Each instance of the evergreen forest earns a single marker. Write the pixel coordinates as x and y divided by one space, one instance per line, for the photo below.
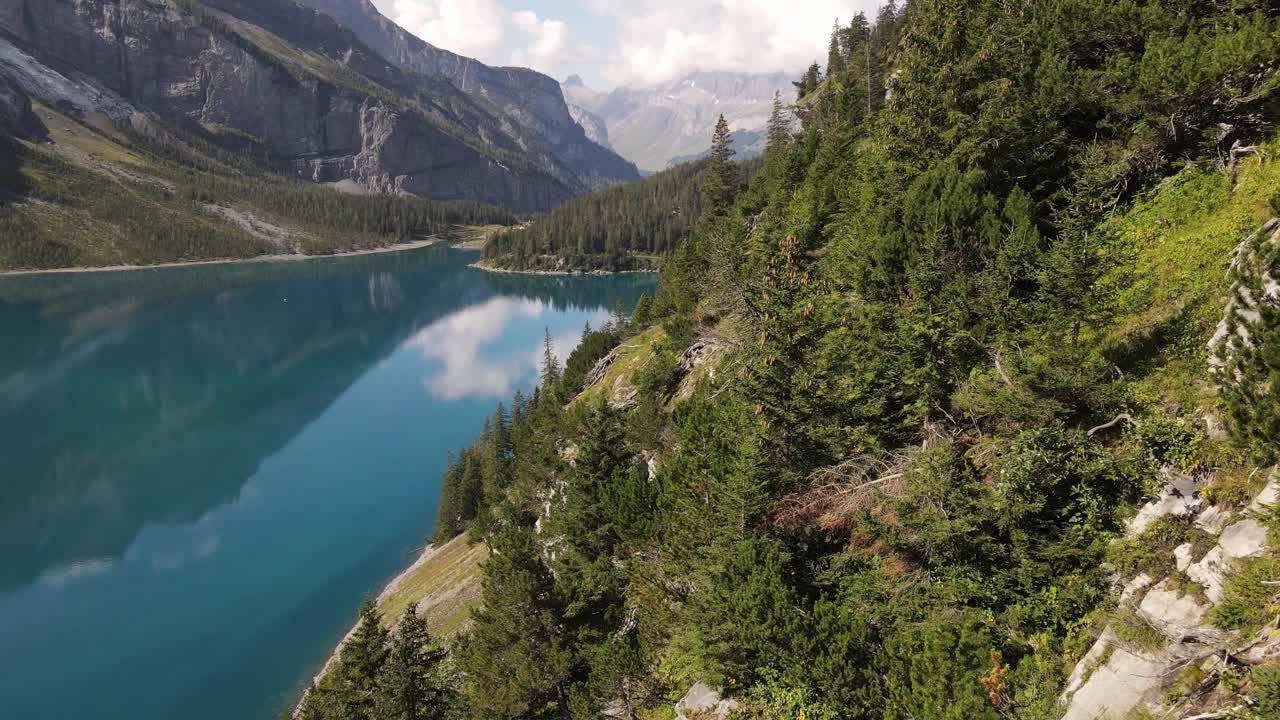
627 227
98 194
871 449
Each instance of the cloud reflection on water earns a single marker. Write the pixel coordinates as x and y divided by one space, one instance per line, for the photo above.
456 342
468 366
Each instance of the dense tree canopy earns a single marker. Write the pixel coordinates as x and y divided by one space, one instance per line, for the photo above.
895 492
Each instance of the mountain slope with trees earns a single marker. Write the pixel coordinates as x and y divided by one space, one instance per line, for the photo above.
902 394
302 94
76 193
625 228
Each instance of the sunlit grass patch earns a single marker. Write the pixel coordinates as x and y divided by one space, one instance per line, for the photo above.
446 586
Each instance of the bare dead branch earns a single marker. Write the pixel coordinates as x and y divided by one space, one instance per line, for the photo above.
1003 375
1118 419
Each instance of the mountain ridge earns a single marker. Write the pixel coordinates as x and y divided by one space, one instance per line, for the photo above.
661 125
530 99
283 81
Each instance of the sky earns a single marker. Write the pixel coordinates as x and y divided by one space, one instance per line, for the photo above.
630 42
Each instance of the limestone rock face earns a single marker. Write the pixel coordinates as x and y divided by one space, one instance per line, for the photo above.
1180 496
275 76
1120 679
1176 614
1115 677
529 101
591 123
1244 539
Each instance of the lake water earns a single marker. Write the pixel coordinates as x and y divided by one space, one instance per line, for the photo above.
202 470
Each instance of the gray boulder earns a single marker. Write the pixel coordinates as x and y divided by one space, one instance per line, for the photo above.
702 698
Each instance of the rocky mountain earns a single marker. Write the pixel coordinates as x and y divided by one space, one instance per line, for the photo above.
658 126
526 98
595 126
296 86
16 117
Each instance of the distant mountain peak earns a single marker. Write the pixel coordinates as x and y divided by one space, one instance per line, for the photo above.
654 126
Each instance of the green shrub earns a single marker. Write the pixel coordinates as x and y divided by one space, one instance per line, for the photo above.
1152 550
1249 603
1266 688
1173 441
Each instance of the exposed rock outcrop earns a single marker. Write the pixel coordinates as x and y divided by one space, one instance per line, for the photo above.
698 362
1118 677
591 123
703 700
16 118
53 87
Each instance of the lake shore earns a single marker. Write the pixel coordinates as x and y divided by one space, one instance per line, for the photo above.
482 265
396 582
444 580
292 257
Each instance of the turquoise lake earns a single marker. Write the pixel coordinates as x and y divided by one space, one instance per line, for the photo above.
204 469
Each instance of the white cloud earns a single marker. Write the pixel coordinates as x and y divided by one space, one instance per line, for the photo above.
661 40
483 29
654 41
77 570
547 47
475 28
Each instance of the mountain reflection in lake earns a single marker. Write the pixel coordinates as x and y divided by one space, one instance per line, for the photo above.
204 468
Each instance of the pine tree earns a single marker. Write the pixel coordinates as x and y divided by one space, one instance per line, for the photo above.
620 317
836 57
516 659
550 370
809 82
641 316
1249 379
414 683
449 520
587 515
721 180
352 691
779 128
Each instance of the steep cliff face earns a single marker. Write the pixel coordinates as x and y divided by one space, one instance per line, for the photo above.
593 124
528 99
16 118
297 85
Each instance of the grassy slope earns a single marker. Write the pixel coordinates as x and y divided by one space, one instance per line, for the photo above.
89 187
619 379
446 586
1175 247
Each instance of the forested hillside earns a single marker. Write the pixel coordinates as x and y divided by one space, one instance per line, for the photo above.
627 227
622 228
99 194
874 450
